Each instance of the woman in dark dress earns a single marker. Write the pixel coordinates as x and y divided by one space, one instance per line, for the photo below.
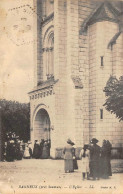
104 161
36 150
94 159
45 151
75 165
109 147
105 165
10 153
41 147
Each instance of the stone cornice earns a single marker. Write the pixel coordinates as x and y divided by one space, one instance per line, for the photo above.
45 89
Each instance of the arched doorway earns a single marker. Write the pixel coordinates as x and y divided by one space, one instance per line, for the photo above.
42 130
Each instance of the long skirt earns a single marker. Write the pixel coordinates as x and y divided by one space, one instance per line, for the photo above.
68 165
105 168
75 165
94 169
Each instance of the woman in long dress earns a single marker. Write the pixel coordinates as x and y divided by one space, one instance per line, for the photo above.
68 157
84 156
75 165
36 150
26 152
105 166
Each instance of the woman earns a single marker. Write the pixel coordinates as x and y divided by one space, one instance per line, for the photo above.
36 150
84 156
105 169
68 157
75 165
45 151
94 159
109 147
26 152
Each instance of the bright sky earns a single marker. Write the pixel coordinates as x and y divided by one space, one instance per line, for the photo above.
16 62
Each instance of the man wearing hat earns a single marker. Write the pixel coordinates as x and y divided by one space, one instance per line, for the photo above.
94 159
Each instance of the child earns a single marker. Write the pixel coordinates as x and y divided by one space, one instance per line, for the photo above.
84 156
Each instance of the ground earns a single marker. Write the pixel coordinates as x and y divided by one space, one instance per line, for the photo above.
16 177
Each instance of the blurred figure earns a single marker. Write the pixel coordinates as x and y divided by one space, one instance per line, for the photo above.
36 150
41 147
109 147
105 168
94 159
75 165
10 151
26 152
68 157
45 151
30 148
84 156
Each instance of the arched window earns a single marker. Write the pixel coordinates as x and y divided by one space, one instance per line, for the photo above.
48 56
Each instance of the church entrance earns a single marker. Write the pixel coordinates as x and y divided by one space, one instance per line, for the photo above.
42 132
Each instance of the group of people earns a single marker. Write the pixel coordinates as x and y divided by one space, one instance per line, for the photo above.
41 149
16 149
95 160
13 147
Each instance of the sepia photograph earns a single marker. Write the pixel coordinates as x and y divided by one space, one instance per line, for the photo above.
61 96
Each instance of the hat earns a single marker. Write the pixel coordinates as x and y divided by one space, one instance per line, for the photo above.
70 142
11 141
29 142
94 140
37 142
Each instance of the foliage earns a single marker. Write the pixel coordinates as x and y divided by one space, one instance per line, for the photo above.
114 94
16 118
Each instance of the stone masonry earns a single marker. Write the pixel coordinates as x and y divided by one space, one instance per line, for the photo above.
79 46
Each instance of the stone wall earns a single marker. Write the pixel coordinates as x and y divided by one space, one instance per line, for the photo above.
77 98
85 9
108 127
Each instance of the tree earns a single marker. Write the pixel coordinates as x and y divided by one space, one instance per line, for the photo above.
114 94
16 118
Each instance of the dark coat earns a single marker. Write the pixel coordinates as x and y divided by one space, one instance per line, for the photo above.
94 161
36 151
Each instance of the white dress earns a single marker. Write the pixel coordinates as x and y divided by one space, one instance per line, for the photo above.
26 152
84 161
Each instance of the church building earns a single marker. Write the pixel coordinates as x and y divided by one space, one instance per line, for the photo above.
79 46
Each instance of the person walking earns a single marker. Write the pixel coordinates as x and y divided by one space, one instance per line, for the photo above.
68 157
84 156
94 159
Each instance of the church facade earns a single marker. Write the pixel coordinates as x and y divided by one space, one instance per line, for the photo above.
79 46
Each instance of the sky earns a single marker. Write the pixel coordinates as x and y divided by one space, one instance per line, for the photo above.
16 50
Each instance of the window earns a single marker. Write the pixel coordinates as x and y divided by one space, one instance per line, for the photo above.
101 113
48 56
102 61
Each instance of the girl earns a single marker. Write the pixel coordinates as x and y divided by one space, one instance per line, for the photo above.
84 156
